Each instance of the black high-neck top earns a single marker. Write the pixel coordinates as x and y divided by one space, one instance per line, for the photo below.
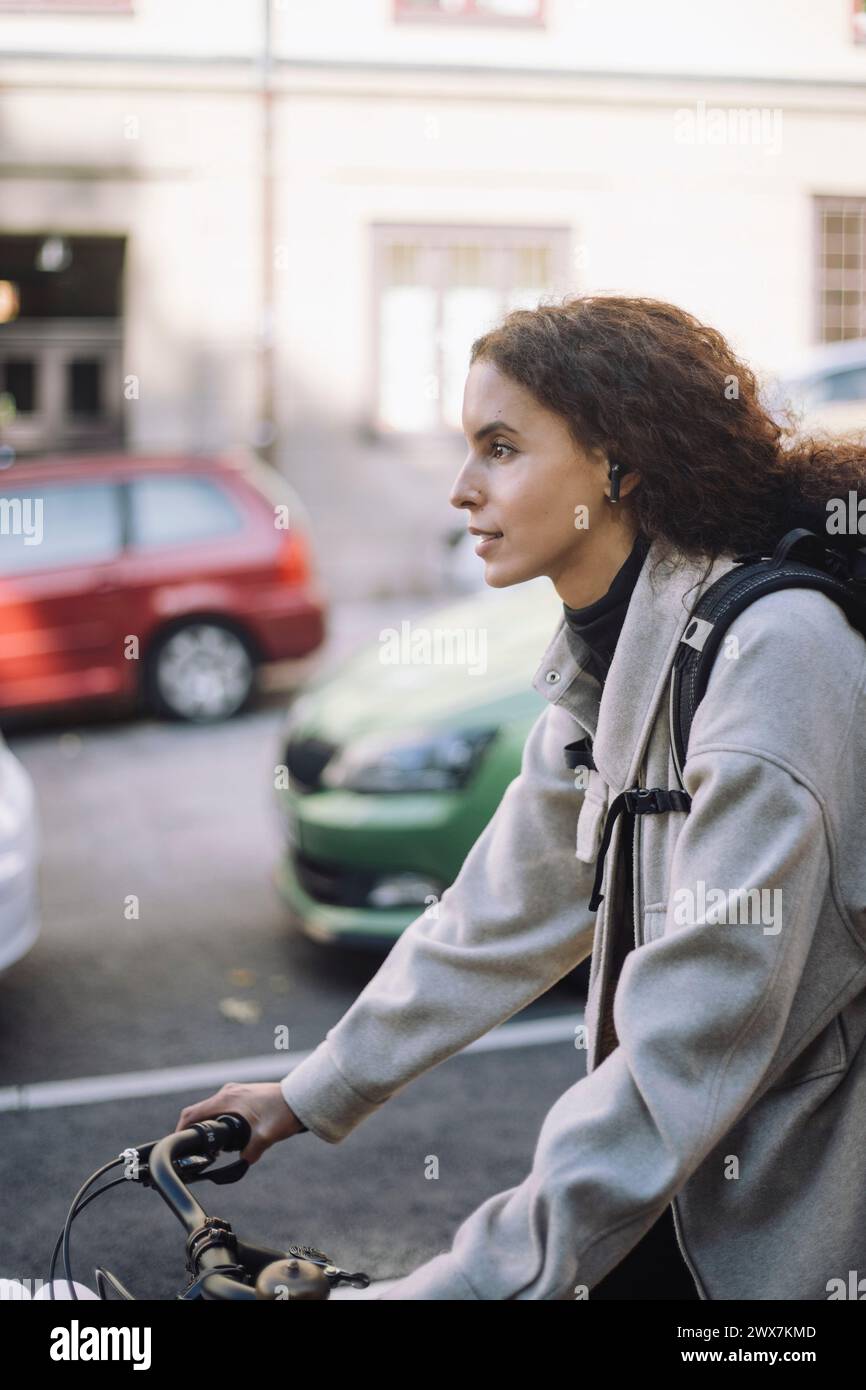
600 623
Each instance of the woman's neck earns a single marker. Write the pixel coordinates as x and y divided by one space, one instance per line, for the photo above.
597 574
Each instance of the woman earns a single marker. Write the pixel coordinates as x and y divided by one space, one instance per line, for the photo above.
619 447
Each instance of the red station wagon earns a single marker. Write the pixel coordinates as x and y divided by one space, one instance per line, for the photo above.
167 578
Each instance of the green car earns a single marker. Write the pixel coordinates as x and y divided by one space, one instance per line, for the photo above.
393 763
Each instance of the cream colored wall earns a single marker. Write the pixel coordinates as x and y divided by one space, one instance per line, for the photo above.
196 27
784 38
724 230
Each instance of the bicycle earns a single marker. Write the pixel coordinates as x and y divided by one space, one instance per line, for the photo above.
219 1264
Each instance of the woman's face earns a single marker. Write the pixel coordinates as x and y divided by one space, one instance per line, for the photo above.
526 478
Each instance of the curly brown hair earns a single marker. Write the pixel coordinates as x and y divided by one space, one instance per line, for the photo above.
665 394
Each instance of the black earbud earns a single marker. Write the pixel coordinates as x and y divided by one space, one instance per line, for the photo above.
614 472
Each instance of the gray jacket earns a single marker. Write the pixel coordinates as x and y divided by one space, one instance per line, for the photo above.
726 1071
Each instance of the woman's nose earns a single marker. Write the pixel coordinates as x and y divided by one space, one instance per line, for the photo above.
464 493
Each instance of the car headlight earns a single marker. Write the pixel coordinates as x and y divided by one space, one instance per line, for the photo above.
411 763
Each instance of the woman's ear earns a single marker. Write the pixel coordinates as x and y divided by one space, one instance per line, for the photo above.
628 482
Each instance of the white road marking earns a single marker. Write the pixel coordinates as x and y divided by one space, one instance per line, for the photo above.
87 1090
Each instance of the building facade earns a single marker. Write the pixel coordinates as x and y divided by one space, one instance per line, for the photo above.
281 224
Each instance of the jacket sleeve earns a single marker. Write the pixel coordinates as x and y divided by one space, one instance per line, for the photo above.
699 1014
514 921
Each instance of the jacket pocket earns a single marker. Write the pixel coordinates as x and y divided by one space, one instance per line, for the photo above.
589 821
824 1055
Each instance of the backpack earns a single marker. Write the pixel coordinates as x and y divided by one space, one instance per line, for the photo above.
808 556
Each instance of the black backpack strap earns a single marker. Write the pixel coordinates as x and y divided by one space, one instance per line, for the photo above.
579 753
719 605
635 801
842 579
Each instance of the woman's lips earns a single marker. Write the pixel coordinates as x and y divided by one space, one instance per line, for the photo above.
485 543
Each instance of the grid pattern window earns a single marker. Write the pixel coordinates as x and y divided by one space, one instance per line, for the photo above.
437 289
517 12
841 269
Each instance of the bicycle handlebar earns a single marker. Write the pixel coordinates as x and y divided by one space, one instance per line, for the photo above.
228 1132
220 1265
211 1245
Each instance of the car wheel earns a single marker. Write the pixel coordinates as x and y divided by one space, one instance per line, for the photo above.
201 672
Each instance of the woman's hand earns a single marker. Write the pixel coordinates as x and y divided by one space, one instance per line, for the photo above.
261 1103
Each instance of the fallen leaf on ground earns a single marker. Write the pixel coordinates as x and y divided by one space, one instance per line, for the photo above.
241 1010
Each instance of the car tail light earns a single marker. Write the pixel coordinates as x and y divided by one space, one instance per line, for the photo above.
294 562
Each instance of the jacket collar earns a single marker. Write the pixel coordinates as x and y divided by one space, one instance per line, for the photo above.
620 717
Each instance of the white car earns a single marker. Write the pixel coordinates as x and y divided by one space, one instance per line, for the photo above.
826 387
19 854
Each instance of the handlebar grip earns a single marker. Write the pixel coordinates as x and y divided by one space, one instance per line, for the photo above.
237 1133
227 1133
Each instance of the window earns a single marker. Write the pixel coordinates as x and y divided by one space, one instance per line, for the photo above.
841 268
172 510
46 527
18 376
849 385
437 289
472 11
61 344
84 388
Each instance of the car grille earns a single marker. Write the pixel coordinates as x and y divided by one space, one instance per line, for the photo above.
306 759
333 883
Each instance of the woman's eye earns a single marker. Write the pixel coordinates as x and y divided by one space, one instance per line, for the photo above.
499 445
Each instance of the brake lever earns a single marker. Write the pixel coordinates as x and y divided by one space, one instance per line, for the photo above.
230 1172
192 1168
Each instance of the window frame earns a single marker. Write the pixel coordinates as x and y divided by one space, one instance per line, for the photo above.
826 205
404 12
431 236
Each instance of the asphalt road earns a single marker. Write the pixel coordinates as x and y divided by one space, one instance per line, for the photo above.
183 819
